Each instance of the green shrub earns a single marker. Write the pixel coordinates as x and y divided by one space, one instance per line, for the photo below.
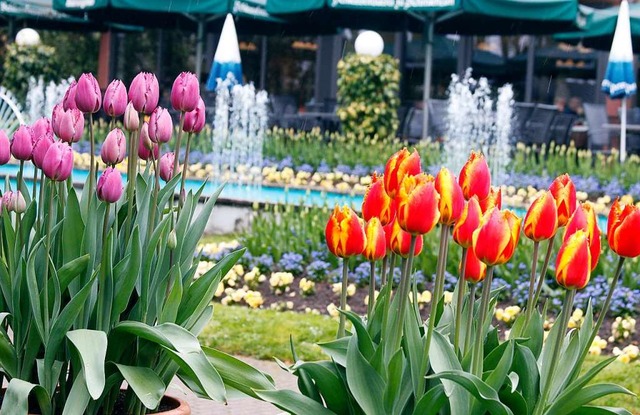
368 95
23 62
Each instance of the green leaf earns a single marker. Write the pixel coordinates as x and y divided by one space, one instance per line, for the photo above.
584 396
92 348
69 271
293 402
16 398
34 293
337 350
497 376
365 345
72 230
443 359
365 383
329 384
484 393
431 402
145 383
524 364
584 379
599 410
170 305
238 374
78 398
125 283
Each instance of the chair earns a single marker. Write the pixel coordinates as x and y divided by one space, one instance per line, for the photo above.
281 106
438 114
522 113
403 111
536 129
633 139
560 128
412 130
599 137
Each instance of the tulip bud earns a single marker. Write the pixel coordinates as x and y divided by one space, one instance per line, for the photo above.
56 117
541 221
469 221
58 161
400 165
344 233
400 241
109 187
475 270
88 95
144 92
475 178
160 126
451 199
418 204
131 118
185 92
377 203
40 148
22 144
573 264
564 193
71 126
5 148
115 98
14 202
69 100
166 166
41 127
194 120
172 240
114 147
493 199
623 229
147 148
495 241
375 247
586 218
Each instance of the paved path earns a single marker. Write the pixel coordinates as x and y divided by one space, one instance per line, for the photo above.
238 406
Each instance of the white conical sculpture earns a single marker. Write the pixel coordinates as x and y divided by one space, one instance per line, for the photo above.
226 61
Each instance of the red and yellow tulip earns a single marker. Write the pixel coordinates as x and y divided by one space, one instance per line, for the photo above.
344 232
451 200
623 229
418 204
376 246
377 203
475 178
475 270
564 193
400 165
586 218
468 222
400 241
493 199
541 221
495 241
573 265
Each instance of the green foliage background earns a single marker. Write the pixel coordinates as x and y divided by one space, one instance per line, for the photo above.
23 62
368 95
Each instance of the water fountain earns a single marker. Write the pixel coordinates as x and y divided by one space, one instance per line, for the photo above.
475 121
41 98
239 127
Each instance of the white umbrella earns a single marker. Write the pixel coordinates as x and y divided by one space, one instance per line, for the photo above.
619 81
227 58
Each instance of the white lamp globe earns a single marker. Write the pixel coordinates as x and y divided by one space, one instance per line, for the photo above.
369 43
27 37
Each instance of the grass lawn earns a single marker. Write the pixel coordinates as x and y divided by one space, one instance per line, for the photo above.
264 334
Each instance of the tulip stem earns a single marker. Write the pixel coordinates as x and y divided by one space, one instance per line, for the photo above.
472 302
543 271
20 171
532 283
372 290
478 357
45 290
403 292
105 224
35 182
462 285
92 168
557 347
383 271
156 189
343 296
184 171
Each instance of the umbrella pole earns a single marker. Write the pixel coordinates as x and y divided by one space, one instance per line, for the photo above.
623 130
426 90
531 58
263 63
199 47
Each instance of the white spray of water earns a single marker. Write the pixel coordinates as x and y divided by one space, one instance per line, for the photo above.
42 98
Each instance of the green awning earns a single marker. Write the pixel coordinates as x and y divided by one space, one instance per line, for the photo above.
299 6
509 17
165 6
598 25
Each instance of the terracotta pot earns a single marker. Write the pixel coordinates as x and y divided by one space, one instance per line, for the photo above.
182 409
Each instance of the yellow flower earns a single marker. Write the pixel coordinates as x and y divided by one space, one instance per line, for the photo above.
253 299
448 297
624 358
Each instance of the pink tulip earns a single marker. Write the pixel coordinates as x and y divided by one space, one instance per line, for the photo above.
88 95
160 126
5 148
131 118
71 126
40 127
109 186
56 117
144 92
115 98
22 144
194 120
40 147
58 162
14 202
166 166
69 100
185 92
114 147
146 146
